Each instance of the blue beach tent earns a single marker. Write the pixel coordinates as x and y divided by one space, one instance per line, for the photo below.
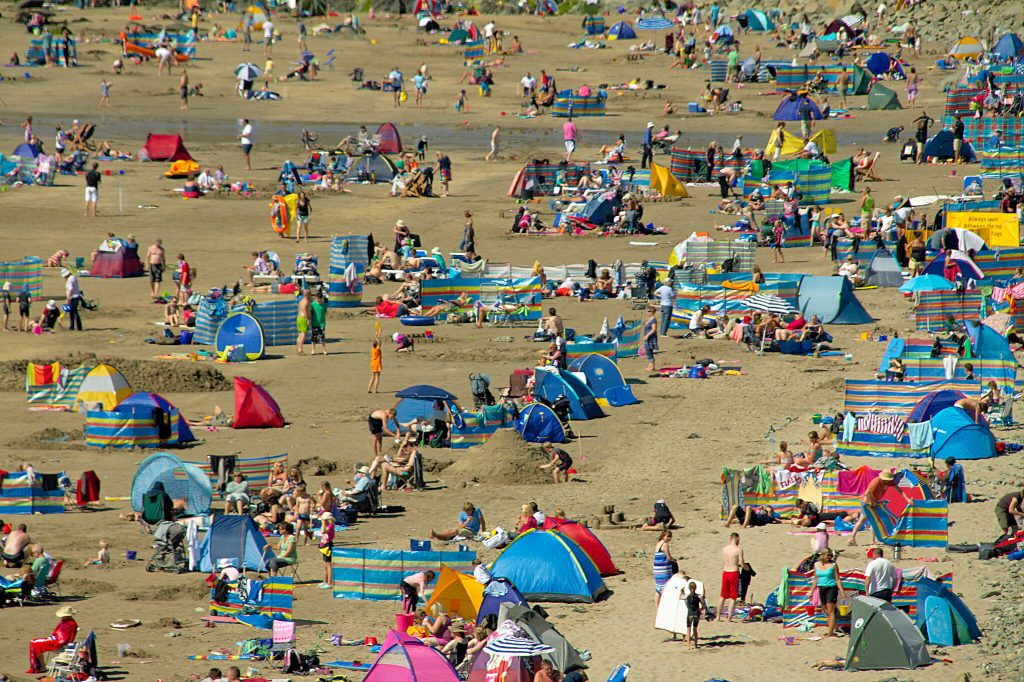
987 343
499 591
933 403
832 299
1009 46
549 383
538 423
180 481
548 566
964 625
759 21
621 31
235 537
957 435
789 108
604 379
241 329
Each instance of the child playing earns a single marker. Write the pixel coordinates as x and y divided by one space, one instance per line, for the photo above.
461 104
694 606
24 309
104 93
376 363
326 542
102 557
421 148
405 343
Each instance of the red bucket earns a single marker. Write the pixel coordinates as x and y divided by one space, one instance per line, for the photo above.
403 621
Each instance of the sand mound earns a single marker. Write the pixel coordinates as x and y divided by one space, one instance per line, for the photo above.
51 439
144 375
316 466
505 459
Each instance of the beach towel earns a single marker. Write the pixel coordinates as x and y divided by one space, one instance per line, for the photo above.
855 482
921 436
351 275
949 365
849 427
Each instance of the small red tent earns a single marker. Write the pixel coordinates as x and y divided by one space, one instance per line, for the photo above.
254 407
390 140
165 148
120 263
587 541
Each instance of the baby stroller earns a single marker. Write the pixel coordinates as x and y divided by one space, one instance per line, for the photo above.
169 543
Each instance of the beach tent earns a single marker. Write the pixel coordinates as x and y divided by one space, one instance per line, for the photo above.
503 667
884 271
497 592
124 262
965 267
845 25
564 658
538 423
140 420
548 566
547 7
655 23
600 209
954 621
967 48
254 407
26 151
878 64
165 148
940 147
588 542
403 658
883 638
551 382
369 166
932 404
241 330
861 81
882 98
723 35
181 481
255 16
988 344
604 379
621 31
390 141
832 299
157 401
789 108
103 386
957 435
666 184
236 537
1009 46
458 593
759 21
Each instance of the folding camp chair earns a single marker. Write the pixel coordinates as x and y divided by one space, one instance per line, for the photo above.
53 579
867 172
284 636
67 664
1002 414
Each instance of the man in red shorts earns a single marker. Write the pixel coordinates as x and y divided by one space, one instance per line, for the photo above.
732 560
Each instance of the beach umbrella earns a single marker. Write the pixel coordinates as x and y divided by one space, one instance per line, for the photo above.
770 303
247 71
425 392
927 283
517 646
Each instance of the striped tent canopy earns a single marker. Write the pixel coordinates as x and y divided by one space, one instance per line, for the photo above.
27 272
277 319
864 396
978 130
130 427
20 494
769 303
517 646
374 574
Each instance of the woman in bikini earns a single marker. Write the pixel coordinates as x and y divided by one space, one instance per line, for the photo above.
276 482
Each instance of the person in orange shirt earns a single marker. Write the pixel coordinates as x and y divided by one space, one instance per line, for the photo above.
376 363
873 496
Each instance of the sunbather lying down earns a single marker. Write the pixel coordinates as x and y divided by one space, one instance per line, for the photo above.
830 664
218 418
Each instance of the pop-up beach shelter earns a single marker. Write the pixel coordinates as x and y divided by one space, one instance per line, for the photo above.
956 434
165 148
564 658
884 270
548 566
942 616
882 98
180 481
103 386
235 537
550 383
243 330
832 299
496 593
1009 46
621 31
538 423
933 403
390 142
459 594
759 21
789 108
604 379
403 658
254 407
369 166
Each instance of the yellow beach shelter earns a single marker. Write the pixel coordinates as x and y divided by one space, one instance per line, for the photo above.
103 386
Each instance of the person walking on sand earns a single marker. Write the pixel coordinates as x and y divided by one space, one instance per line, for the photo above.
570 133
444 172
493 154
303 207
650 337
302 321
732 561
104 93
245 139
156 261
92 190
376 363
268 37
318 323
183 89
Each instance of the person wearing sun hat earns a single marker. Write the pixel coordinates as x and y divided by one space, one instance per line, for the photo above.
73 299
50 316
228 570
325 546
647 145
873 496
402 233
62 635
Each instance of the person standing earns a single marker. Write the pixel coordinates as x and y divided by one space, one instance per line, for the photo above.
268 37
732 74
318 323
867 210
806 117
662 564
732 561
184 279
879 576
1008 511
958 139
493 154
183 89
444 172
647 144
104 93
245 139
913 87
843 85
419 83
376 363
73 298
411 587
468 242
570 133
396 79
92 190
156 261
829 585
302 321
778 139
247 34
921 135
650 338
303 207
666 298
873 496
302 37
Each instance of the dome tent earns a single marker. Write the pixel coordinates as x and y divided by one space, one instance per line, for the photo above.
882 638
604 379
882 98
1009 46
621 31
538 423
241 329
103 386
588 542
551 382
459 593
789 108
957 435
236 537
548 566
371 166
389 141
933 403
403 658
497 592
254 407
879 62
181 481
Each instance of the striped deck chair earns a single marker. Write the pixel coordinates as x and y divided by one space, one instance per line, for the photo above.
503 305
272 598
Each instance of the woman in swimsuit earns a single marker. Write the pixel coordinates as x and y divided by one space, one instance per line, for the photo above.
276 483
325 498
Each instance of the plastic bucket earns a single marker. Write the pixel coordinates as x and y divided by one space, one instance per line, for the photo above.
130 555
815 418
403 621
186 337
844 610
864 336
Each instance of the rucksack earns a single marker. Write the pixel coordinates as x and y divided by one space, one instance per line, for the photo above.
294 662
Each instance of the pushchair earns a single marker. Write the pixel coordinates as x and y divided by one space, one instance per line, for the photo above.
169 543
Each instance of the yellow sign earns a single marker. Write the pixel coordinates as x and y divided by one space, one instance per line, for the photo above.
997 229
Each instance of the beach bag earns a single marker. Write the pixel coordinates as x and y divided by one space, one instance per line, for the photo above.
220 591
402 97
497 539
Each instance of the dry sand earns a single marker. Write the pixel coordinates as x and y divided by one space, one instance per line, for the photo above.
636 455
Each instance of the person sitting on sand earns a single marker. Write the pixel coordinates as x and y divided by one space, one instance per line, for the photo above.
437 625
784 457
751 516
808 516
58 259
471 523
662 518
274 514
102 556
218 418
814 452
191 189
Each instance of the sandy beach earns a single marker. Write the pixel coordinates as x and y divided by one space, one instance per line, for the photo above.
672 445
